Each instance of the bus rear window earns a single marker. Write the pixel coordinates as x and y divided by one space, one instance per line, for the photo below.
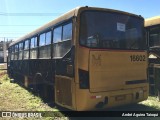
99 29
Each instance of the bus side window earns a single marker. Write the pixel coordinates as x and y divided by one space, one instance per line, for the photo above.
62 37
12 52
66 38
57 37
26 49
33 48
45 45
57 34
42 40
9 54
16 52
32 43
48 38
67 32
20 51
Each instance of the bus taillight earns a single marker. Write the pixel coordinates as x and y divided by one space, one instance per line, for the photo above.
83 79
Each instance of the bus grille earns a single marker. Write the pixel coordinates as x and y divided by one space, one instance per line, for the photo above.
63 91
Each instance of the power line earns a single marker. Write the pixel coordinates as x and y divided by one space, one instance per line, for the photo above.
12 33
15 31
20 25
29 14
9 37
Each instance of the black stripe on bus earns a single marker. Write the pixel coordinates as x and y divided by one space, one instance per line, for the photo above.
136 82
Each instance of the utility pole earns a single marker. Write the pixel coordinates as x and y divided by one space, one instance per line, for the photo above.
4 54
4 50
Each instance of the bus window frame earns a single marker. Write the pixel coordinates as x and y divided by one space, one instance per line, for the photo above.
35 47
21 50
16 53
28 44
79 23
68 21
45 45
26 49
12 52
59 26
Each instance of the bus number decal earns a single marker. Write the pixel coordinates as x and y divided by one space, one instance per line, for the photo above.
135 58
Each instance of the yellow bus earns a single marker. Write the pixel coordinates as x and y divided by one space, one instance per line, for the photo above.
152 26
89 58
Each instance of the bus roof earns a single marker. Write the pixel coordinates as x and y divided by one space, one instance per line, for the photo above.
152 21
66 16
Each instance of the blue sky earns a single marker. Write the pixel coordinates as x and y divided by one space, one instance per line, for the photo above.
13 26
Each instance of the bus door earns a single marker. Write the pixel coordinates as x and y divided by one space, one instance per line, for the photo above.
64 79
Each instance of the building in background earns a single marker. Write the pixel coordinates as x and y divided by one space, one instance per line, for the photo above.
4 50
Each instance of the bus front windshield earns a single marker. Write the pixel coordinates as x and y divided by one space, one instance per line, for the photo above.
111 30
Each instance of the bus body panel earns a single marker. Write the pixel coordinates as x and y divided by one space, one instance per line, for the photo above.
82 58
115 70
65 91
85 100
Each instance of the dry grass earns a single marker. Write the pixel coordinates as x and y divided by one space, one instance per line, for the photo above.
15 98
152 102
